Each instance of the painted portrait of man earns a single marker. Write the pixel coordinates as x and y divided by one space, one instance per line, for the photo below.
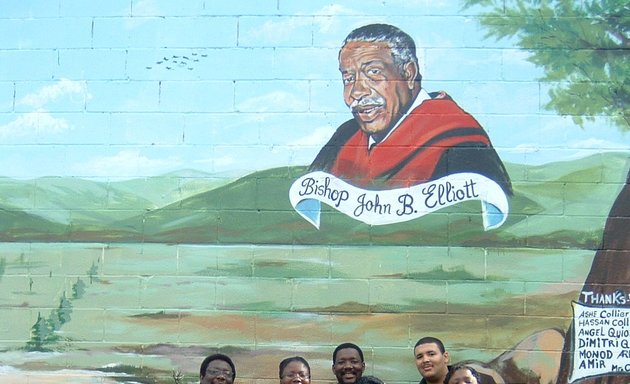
400 134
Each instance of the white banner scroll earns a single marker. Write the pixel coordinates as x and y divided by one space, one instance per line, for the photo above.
400 204
601 341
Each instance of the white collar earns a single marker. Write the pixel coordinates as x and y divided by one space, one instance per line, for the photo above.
422 96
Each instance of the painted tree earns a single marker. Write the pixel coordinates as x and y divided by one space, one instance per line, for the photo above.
64 310
581 45
78 289
584 49
44 333
41 334
92 272
54 321
3 266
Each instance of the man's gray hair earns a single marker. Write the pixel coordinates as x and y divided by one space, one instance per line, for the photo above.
401 44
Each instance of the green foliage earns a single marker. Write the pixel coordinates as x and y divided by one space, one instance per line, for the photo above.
64 310
78 289
41 335
44 331
54 321
583 46
92 272
3 266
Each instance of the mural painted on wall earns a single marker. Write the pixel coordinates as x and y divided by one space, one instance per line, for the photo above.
164 169
401 136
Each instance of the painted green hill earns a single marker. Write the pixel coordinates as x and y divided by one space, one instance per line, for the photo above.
85 203
17 225
561 204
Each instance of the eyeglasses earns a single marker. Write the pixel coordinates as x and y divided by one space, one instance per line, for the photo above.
301 375
216 372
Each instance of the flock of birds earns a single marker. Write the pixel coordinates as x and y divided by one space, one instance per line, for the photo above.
176 61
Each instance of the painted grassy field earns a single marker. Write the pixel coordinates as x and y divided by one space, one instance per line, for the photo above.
136 287
263 303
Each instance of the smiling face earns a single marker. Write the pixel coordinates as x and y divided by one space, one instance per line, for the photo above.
295 373
431 362
348 366
374 87
218 372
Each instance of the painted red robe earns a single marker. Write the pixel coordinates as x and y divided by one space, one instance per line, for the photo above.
436 139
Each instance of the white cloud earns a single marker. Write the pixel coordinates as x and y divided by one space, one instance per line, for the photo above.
205 162
223 161
272 101
216 161
142 8
590 146
48 93
319 136
285 27
40 121
328 24
37 122
524 148
334 10
127 163
598 144
281 28
539 154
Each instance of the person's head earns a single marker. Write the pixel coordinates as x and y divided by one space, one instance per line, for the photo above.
380 73
217 369
348 363
294 370
431 359
463 374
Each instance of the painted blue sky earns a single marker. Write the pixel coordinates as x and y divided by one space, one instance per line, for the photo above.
122 89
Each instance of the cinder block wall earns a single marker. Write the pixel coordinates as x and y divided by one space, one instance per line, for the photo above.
167 305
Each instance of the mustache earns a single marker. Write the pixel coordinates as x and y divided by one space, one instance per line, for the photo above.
376 100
